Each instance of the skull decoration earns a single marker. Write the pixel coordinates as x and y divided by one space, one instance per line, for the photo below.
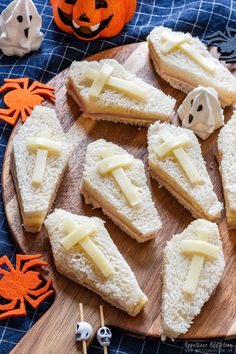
104 336
83 331
20 25
201 111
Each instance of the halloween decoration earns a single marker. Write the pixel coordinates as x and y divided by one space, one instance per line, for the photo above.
83 330
91 19
104 333
20 25
226 44
23 98
18 284
201 112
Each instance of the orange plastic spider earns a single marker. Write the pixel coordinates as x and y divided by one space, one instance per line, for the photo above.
19 284
23 98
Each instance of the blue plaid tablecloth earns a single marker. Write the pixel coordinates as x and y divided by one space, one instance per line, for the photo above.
57 52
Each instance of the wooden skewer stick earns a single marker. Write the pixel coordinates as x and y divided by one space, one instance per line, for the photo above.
81 314
102 325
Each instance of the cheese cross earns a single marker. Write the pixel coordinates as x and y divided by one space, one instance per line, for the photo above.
200 249
115 165
43 146
174 145
172 41
80 234
103 78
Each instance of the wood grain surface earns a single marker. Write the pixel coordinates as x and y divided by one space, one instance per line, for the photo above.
54 332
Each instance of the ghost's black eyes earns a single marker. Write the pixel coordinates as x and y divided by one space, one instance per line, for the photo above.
30 18
19 19
200 108
99 4
102 331
191 102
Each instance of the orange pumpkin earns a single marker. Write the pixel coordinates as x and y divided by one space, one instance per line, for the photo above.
91 19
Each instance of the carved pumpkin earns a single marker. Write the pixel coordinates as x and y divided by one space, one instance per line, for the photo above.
91 19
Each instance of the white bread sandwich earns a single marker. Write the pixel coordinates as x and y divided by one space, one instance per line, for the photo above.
105 90
185 63
193 267
116 182
226 155
39 158
85 253
176 162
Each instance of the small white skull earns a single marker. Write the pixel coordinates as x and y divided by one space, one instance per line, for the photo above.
20 25
83 331
201 111
104 336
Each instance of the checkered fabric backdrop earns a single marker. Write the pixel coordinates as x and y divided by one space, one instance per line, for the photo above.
58 50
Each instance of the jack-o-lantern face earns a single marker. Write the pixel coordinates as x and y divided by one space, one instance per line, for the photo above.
90 19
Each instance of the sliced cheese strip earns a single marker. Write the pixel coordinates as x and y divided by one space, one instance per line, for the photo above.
199 247
39 167
194 274
123 181
126 187
187 166
191 283
89 247
172 41
175 41
114 162
35 143
196 56
101 79
97 256
172 143
78 233
124 86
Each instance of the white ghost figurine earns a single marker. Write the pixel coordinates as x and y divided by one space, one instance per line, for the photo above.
20 25
201 111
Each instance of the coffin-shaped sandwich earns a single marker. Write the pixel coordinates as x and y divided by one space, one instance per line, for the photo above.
226 155
105 90
193 266
84 252
176 162
38 162
116 182
185 63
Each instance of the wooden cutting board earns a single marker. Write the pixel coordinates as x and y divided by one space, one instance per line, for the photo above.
54 332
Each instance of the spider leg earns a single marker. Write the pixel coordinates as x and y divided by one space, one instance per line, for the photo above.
6 260
228 58
41 290
9 306
21 311
217 34
9 86
37 84
10 120
25 257
32 263
24 115
230 32
44 93
24 81
35 303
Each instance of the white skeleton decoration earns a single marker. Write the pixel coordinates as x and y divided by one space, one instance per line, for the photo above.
104 336
20 25
201 112
83 331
